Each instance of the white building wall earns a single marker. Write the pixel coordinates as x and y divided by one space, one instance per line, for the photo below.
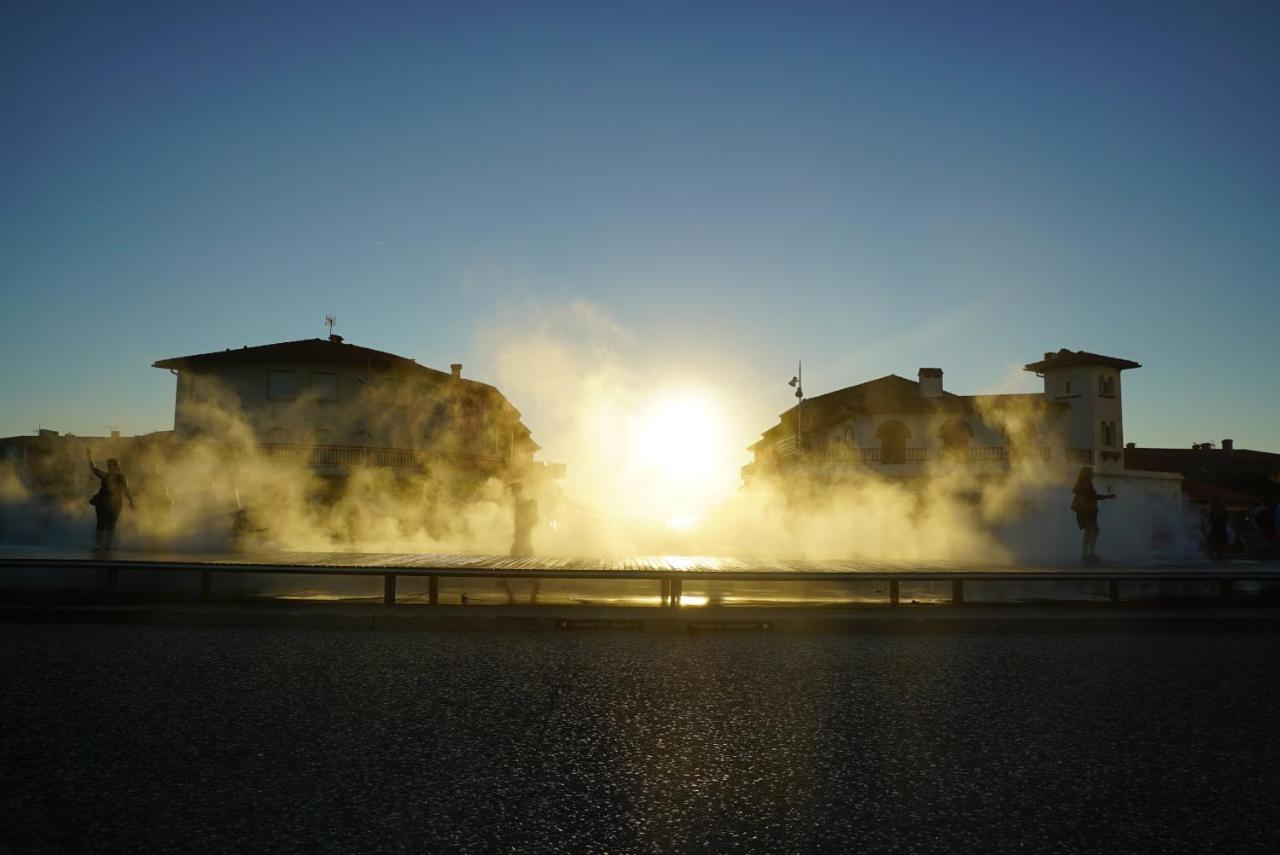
374 407
1080 387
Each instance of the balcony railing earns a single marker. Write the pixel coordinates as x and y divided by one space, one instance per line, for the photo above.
1080 455
405 458
785 448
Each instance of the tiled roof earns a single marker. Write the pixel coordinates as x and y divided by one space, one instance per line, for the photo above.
304 350
318 350
1071 358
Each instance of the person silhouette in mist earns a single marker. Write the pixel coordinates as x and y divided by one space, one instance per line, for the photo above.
109 500
526 517
526 512
1085 504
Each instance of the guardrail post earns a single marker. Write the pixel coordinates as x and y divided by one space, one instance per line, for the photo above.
1225 588
389 589
433 590
206 584
677 586
894 597
1113 590
957 592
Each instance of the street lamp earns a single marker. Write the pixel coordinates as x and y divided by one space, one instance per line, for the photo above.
797 382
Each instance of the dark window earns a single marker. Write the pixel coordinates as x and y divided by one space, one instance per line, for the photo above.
324 387
1109 434
893 441
282 385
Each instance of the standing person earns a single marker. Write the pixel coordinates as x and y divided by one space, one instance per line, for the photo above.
526 518
109 500
1085 504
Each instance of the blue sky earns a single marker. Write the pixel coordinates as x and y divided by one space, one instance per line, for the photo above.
869 187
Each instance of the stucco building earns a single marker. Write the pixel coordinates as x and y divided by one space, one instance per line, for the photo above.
901 428
334 405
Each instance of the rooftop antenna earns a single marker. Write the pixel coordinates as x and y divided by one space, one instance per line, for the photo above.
329 321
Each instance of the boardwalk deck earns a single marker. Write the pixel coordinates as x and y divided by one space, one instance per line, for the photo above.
629 566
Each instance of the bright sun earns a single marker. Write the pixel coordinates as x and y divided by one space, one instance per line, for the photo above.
676 445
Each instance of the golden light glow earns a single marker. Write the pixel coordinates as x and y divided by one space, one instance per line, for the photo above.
677 438
676 458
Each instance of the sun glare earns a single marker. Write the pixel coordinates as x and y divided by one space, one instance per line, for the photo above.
676 451
676 439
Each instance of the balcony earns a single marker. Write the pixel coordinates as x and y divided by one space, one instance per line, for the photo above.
786 449
403 458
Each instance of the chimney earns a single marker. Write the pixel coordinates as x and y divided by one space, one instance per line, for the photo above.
1228 445
930 382
455 370
115 434
335 338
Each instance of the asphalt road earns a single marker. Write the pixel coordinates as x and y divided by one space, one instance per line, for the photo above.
118 738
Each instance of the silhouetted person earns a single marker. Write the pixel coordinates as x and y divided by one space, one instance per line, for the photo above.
1085 504
526 519
109 500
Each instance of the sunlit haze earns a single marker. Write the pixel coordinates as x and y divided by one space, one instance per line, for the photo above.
635 219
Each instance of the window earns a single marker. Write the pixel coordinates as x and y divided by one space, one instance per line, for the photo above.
1068 391
281 385
276 436
1109 434
321 436
1106 386
324 387
893 441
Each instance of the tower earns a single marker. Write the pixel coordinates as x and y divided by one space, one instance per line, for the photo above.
1089 385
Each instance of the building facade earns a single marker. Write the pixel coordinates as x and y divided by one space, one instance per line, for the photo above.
334 405
899 427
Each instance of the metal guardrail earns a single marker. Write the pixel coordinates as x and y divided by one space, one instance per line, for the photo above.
670 581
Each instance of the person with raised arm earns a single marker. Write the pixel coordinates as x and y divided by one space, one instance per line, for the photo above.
1085 504
109 500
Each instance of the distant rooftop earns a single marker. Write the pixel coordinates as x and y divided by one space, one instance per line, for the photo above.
307 349
1071 358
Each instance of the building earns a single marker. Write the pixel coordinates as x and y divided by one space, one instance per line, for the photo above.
1240 478
333 405
902 428
54 463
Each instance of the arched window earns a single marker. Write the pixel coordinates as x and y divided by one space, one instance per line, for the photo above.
848 436
955 436
893 441
276 436
360 437
321 436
